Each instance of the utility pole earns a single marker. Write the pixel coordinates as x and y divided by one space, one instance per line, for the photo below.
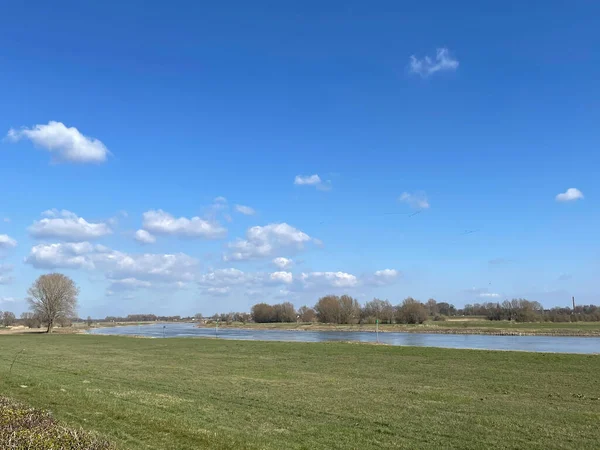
573 298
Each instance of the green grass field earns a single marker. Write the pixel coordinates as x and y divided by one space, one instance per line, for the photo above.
204 393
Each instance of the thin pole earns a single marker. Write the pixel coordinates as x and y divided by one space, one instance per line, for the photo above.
377 329
217 328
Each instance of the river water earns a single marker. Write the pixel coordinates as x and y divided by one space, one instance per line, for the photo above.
558 344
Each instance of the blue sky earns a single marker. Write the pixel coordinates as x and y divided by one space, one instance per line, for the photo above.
131 118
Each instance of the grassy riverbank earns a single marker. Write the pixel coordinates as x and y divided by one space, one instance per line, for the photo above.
477 326
204 393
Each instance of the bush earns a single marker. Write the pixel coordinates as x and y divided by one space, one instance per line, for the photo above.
27 428
439 318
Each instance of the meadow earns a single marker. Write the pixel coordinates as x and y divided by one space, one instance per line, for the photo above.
208 393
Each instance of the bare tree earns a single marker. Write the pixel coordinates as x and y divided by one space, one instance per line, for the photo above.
53 297
8 318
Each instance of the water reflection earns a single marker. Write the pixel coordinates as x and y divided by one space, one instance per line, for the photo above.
527 343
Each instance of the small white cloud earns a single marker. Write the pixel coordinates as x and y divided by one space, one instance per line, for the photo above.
221 200
385 276
282 277
427 66
6 279
570 195
65 144
282 263
65 225
7 300
144 237
7 242
489 295
307 180
246 210
6 220
161 222
328 279
416 200
312 180
264 241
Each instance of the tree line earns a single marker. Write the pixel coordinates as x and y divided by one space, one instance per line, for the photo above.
345 309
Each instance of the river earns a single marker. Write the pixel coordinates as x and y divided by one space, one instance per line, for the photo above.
558 344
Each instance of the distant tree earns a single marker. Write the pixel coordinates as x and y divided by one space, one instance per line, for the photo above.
307 314
411 311
284 312
89 321
328 309
376 309
446 309
30 320
8 318
263 313
53 297
432 307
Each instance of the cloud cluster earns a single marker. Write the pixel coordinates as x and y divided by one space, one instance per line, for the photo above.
165 268
267 240
318 280
67 226
428 66
66 144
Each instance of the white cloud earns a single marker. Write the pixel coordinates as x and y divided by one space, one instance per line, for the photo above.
264 241
282 277
246 210
481 293
225 277
65 225
570 195
416 200
7 300
144 237
328 279
217 291
385 276
282 263
220 199
4 270
161 222
7 242
6 279
427 66
116 265
65 144
312 180
308 180
127 284
489 295
6 220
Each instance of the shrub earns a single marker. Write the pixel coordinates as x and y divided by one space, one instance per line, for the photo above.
439 318
27 428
